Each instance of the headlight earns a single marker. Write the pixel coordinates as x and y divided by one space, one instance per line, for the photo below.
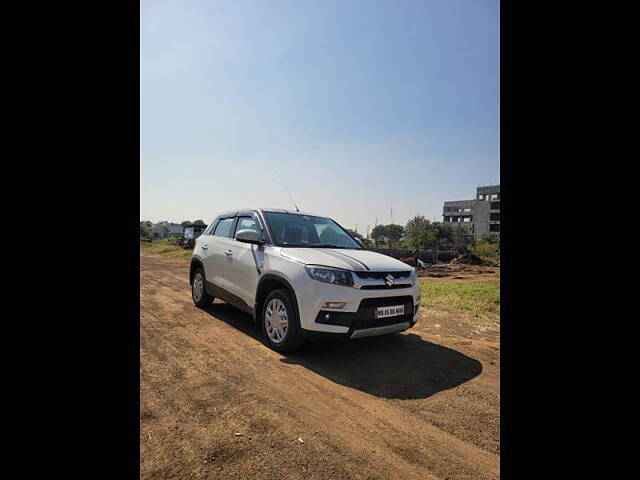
414 277
330 275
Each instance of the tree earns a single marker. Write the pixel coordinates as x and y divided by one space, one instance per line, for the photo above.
379 234
146 229
186 222
442 236
462 239
394 234
199 222
418 232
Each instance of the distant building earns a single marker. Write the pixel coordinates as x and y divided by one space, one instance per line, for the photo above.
166 229
479 216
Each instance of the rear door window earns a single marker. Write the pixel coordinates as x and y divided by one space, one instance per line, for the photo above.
210 228
225 228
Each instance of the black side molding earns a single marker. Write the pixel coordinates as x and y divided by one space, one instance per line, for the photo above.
222 294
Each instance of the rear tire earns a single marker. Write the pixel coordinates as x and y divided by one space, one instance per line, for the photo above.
279 322
199 295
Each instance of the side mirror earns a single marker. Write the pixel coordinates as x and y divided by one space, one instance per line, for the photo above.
360 243
248 236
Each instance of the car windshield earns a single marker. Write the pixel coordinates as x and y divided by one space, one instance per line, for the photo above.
293 230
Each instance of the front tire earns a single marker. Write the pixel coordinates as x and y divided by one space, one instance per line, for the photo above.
199 295
279 322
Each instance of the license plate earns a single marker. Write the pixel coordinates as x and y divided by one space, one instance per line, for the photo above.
383 312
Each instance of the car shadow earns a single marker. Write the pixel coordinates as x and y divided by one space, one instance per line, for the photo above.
400 366
234 317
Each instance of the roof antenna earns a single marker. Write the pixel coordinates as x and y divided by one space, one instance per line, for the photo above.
290 196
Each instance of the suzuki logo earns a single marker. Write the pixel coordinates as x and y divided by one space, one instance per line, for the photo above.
389 280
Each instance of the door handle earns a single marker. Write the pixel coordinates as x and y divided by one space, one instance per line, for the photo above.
228 252
205 246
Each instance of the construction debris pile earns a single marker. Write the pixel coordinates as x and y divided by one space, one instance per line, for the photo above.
455 269
409 261
470 259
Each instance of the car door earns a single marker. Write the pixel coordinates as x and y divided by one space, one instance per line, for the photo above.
245 261
201 247
215 258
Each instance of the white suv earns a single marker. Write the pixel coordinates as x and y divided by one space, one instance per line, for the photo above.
300 275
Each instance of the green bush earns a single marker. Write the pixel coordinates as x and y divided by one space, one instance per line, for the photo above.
484 249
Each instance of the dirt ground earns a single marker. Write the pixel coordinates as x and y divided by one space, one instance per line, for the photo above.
216 403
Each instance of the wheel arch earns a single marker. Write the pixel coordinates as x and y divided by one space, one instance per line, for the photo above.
267 284
195 264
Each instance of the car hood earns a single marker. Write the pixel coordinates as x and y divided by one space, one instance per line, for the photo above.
344 258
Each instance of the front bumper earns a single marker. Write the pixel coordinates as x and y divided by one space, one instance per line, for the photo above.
356 318
372 332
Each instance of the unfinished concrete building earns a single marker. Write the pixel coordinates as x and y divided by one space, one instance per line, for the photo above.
479 216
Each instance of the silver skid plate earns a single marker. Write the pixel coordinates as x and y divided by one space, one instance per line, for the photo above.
370 332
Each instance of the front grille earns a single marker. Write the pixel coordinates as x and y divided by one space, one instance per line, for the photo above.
381 275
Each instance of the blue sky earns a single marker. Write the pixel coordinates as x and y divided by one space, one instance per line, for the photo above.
357 105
